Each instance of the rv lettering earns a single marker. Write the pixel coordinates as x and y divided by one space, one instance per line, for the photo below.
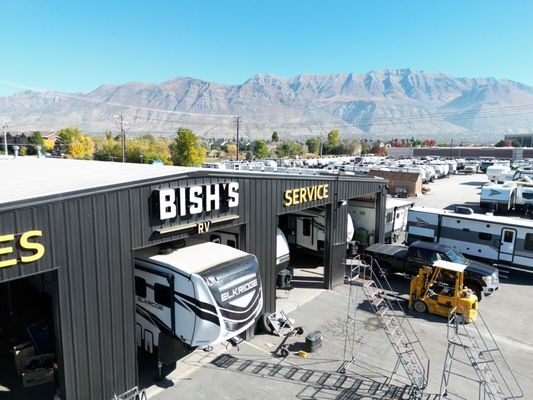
24 243
150 303
203 227
193 200
306 194
238 290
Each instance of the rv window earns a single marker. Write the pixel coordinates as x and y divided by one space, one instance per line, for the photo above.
389 217
162 295
528 242
307 227
508 236
485 236
140 287
215 239
231 243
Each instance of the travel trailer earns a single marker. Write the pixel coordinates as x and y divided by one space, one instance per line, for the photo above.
202 294
493 239
364 219
306 230
498 197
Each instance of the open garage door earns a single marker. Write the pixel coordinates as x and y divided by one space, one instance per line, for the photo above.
29 365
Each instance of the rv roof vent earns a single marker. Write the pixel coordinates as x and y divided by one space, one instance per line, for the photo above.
464 210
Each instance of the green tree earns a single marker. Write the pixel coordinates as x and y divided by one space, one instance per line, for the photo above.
350 147
185 149
36 140
66 135
289 148
275 136
313 145
260 149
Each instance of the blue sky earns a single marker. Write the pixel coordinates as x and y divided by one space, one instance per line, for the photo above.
75 46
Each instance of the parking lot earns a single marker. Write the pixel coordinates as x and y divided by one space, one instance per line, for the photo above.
253 371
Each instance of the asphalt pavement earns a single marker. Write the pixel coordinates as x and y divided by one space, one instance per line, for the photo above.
255 371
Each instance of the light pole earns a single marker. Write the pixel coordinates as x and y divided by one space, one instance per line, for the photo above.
4 127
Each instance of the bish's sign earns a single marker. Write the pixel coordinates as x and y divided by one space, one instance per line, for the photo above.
187 201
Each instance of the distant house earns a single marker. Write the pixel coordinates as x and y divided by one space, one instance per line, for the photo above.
22 138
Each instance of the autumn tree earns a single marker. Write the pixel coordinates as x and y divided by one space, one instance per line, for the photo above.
81 147
148 148
231 150
185 149
108 148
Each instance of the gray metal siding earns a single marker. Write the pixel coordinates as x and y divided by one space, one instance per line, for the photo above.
90 239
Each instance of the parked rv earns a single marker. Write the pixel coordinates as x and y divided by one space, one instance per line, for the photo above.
363 214
306 230
201 295
480 277
493 239
498 197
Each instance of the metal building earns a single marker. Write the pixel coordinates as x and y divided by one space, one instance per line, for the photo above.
71 228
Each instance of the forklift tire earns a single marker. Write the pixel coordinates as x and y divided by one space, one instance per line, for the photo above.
420 307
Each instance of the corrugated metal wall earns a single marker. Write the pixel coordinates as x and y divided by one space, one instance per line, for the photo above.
89 239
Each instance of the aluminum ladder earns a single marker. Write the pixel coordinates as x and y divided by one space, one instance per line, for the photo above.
368 275
131 394
494 375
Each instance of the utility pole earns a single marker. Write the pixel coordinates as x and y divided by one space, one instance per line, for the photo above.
320 144
237 122
4 127
121 124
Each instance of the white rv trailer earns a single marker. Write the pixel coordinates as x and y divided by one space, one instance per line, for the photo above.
306 230
494 239
498 197
498 173
364 217
202 294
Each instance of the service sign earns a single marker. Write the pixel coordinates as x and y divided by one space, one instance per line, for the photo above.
20 248
305 194
187 201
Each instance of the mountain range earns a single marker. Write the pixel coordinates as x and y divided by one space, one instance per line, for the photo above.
388 103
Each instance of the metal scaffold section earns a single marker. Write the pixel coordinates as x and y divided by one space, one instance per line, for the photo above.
493 375
367 275
132 394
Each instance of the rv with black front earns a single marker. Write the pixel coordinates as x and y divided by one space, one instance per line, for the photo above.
202 294
479 277
489 238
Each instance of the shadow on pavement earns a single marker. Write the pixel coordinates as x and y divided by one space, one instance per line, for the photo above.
317 384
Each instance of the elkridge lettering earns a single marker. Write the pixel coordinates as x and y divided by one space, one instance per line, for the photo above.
192 200
238 290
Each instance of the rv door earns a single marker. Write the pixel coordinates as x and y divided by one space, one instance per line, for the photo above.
507 244
304 233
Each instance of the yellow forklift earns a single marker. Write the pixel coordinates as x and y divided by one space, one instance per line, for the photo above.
440 288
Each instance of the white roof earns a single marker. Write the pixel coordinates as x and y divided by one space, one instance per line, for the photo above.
192 259
450 266
31 177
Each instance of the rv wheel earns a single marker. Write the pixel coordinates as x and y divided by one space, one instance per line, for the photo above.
420 306
265 324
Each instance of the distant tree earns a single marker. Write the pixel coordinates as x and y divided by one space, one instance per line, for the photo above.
289 148
249 156
81 147
260 149
313 145
275 136
231 150
185 149
350 147
334 138
108 148
66 135
148 148
35 140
